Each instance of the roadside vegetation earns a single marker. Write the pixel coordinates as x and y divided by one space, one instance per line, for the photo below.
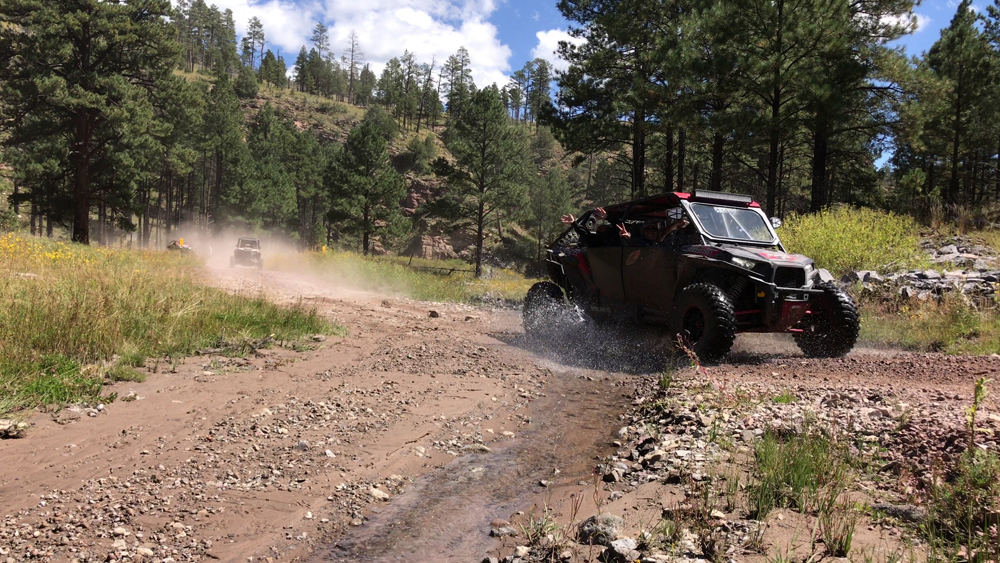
846 239
75 317
951 325
431 280
843 239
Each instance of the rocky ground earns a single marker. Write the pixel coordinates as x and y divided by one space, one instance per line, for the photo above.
440 437
901 416
960 266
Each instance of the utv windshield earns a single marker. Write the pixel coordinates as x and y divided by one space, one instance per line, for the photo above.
732 223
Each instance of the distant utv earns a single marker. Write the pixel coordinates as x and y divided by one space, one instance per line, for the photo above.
705 266
247 253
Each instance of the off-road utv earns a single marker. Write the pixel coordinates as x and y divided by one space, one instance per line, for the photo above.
247 253
705 266
180 247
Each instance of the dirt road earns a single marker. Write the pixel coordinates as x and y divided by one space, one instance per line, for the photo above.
400 441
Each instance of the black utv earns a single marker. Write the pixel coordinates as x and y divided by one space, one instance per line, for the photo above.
247 253
705 266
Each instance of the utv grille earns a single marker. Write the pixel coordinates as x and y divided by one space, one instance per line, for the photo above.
790 277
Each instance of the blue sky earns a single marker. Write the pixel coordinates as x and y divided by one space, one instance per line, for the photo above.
501 35
931 18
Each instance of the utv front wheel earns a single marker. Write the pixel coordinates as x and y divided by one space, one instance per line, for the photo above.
704 321
543 301
831 327
232 261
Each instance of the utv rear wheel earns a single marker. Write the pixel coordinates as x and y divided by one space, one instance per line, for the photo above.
831 327
540 305
704 320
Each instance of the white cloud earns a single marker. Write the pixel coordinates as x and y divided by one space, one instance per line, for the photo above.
386 34
287 24
911 22
431 29
548 42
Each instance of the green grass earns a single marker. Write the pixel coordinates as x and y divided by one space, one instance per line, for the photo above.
962 510
844 239
792 472
951 326
75 317
395 275
785 398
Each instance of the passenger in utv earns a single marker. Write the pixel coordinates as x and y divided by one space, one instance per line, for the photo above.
603 228
654 233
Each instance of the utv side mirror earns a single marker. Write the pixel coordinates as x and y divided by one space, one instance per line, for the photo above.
775 222
675 213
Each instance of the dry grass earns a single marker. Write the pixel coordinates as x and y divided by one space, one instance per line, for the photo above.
950 325
71 312
417 279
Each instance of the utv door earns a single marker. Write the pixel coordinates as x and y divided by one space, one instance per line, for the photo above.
606 268
650 274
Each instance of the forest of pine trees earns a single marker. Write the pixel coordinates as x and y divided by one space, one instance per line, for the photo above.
793 101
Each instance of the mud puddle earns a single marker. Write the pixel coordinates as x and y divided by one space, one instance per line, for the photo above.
446 514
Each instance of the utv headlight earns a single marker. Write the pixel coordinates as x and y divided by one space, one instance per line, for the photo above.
743 262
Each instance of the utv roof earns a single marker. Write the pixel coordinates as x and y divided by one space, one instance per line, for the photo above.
672 199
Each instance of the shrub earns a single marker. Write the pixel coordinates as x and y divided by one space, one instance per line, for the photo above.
386 123
330 108
844 239
246 84
420 153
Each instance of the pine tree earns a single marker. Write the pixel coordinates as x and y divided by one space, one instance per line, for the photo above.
365 87
228 59
281 72
961 57
246 83
390 87
267 194
352 59
301 70
607 99
253 42
269 72
321 40
223 141
490 158
77 81
458 79
365 189
549 199
541 83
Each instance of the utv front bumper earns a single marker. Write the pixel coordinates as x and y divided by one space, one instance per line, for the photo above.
781 308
